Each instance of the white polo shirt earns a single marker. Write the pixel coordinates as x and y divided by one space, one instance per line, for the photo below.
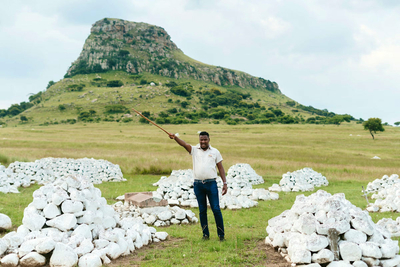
205 162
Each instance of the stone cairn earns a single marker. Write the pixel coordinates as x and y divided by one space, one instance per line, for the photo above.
47 170
301 180
327 230
157 216
393 226
385 182
69 223
178 188
386 199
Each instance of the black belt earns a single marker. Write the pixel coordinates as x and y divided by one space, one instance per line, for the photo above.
205 180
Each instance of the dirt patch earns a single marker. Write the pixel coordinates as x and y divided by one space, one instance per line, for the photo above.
274 259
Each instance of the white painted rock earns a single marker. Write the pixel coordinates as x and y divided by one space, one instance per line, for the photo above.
33 259
165 215
370 249
355 236
359 264
63 256
161 235
10 260
63 222
323 256
339 264
51 211
391 262
90 260
33 222
46 246
5 222
349 251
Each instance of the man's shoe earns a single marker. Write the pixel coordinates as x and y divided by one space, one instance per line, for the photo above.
222 239
206 238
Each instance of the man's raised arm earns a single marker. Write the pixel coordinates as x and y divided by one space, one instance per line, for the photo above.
181 142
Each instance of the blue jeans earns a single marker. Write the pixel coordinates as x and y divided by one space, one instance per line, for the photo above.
203 190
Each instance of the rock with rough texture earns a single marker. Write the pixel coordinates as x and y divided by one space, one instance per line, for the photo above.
5 222
90 260
322 256
349 251
33 259
63 256
10 260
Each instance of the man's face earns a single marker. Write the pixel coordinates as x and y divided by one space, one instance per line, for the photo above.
204 141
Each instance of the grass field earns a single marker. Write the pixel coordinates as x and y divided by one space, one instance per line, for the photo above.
341 153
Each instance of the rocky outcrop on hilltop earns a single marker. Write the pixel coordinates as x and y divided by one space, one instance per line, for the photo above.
134 47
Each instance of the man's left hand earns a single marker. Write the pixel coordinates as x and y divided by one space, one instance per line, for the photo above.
224 189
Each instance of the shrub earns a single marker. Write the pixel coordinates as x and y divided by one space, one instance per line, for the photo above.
184 104
23 118
127 120
172 110
117 108
123 53
179 90
115 83
143 81
171 84
169 100
75 87
291 103
61 107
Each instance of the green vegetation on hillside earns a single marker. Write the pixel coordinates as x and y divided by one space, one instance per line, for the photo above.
108 97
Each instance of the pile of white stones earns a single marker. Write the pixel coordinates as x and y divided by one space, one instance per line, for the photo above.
47 170
386 199
385 182
393 226
178 188
69 222
157 216
301 180
326 229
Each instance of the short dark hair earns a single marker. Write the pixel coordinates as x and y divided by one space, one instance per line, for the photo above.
204 133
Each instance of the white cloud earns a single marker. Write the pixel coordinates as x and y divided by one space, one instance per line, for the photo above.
340 55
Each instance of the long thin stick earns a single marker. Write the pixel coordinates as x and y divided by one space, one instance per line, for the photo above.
150 121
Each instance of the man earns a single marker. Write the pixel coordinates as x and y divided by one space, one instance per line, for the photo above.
205 159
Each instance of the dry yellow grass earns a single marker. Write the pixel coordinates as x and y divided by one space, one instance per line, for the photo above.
270 149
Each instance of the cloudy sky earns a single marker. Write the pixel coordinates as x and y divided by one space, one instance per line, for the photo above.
341 55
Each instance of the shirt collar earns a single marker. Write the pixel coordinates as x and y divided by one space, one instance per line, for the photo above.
198 146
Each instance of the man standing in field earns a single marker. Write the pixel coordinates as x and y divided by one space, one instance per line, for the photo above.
205 159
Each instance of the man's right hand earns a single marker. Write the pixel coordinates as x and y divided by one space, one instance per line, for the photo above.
171 136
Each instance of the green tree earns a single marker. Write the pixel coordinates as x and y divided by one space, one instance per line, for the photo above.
397 123
23 118
50 84
373 125
61 107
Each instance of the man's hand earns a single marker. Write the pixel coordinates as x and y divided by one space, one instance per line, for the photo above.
172 136
224 189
